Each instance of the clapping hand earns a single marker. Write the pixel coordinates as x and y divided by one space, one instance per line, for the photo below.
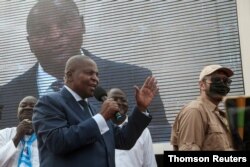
23 128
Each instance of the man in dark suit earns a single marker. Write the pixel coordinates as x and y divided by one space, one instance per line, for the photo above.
55 30
71 133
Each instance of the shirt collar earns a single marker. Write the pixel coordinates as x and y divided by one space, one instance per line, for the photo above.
74 94
44 80
208 104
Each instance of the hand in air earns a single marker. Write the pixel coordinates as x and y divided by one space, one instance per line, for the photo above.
146 93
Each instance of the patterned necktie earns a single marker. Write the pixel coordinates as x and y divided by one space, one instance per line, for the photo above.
85 106
57 85
26 153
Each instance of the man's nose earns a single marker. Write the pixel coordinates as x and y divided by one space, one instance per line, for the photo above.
95 77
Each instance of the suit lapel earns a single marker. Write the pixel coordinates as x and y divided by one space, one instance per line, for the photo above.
93 110
74 105
30 78
106 139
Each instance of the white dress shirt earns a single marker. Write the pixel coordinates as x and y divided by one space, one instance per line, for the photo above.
9 154
44 81
141 155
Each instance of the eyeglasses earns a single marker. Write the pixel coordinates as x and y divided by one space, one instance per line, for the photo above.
225 80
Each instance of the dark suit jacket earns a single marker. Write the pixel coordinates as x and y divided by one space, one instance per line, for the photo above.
68 137
13 92
111 74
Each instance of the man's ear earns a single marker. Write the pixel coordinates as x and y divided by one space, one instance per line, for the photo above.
69 75
202 85
83 24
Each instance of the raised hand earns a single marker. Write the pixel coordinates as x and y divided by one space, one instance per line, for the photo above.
146 93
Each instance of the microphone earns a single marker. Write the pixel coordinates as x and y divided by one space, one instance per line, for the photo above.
101 95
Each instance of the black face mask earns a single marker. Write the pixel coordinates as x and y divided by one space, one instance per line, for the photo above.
219 89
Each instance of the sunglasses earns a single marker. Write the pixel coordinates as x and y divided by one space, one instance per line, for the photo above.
225 80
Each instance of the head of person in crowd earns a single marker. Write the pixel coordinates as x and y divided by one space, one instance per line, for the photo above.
120 97
25 112
215 82
81 75
55 32
25 108
24 115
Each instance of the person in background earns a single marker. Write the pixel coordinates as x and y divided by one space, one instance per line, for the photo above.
18 145
201 125
71 132
141 154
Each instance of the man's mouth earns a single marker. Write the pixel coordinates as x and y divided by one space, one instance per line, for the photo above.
26 113
92 87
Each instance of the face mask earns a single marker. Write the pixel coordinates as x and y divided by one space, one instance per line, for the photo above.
219 89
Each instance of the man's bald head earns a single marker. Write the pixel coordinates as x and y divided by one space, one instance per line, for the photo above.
81 75
28 98
75 62
117 92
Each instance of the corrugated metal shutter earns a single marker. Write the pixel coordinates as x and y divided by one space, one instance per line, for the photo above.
174 39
